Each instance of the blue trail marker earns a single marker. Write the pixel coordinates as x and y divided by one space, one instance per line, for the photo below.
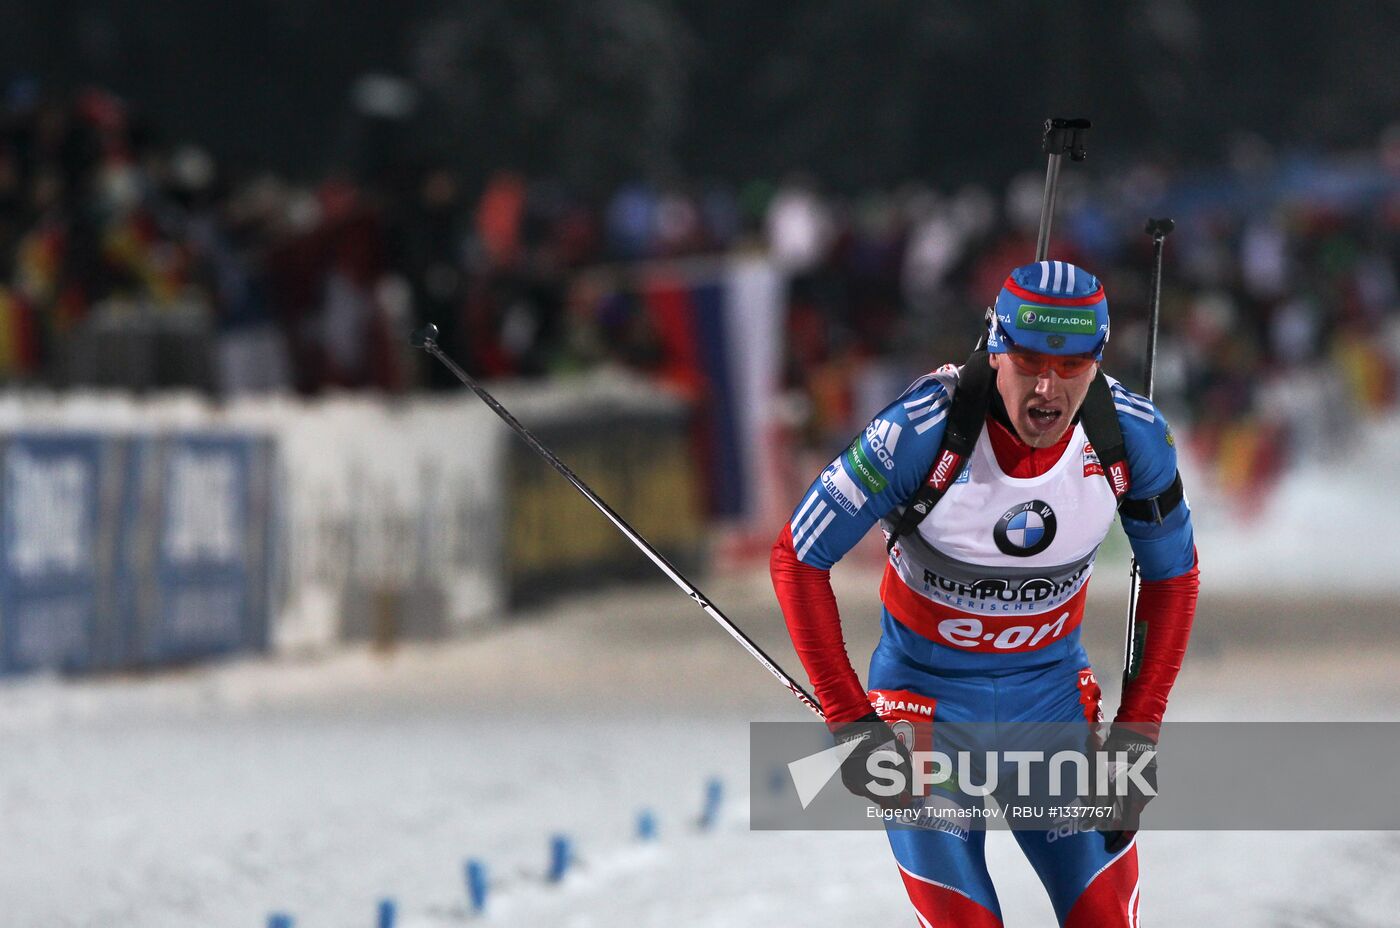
709 812
477 885
279 920
561 857
778 780
388 911
646 825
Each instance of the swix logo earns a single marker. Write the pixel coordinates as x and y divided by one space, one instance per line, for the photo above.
1092 466
944 470
883 435
1118 477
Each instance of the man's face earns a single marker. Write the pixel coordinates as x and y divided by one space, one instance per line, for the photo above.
1041 405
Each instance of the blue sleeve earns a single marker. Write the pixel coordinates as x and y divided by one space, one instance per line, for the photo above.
1169 549
881 468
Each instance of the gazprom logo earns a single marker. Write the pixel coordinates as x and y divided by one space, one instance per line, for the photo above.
842 489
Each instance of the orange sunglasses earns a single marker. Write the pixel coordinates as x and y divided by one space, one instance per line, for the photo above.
1036 363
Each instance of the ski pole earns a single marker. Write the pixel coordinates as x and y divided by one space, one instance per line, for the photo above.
1062 136
426 338
1159 229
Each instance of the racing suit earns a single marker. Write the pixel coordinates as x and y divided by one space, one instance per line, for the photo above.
981 612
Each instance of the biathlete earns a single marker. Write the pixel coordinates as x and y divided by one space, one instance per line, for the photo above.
991 546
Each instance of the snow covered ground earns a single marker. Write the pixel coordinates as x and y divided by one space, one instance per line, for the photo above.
1322 530
212 797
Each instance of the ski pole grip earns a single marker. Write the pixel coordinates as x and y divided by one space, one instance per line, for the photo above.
1160 228
1066 137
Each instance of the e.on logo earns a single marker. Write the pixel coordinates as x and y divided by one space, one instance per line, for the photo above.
969 633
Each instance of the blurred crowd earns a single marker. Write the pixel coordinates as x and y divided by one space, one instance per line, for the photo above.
130 261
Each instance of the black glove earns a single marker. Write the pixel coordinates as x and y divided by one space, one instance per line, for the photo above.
1121 824
875 736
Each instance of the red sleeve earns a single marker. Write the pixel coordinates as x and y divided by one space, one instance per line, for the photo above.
1166 608
809 609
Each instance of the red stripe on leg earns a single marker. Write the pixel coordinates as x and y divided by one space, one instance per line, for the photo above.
1111 898
942 906
1090 696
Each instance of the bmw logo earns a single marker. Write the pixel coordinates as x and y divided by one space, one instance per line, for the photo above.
1025 529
